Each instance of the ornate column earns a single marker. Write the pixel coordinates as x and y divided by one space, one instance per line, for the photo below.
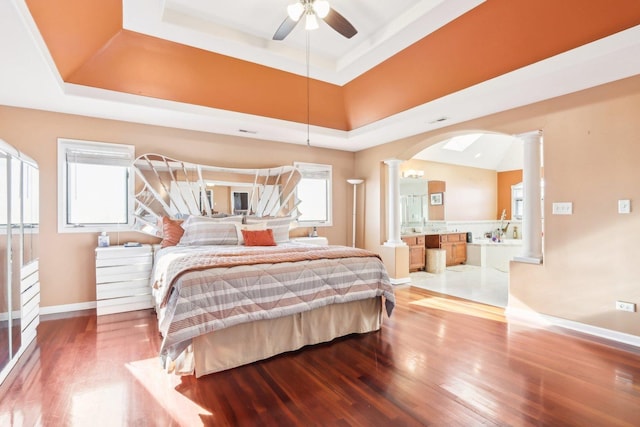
394 252
532 213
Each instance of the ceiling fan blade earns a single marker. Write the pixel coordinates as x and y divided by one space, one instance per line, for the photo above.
285 28
340 24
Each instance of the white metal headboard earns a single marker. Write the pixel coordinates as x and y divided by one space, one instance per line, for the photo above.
174 188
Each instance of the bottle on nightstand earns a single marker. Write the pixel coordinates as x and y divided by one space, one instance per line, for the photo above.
103 240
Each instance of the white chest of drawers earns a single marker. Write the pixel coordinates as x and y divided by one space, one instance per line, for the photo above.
320 241
122 278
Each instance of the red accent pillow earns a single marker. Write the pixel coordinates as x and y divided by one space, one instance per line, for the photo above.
172 231
258 237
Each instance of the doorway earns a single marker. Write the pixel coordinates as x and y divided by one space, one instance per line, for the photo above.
479 169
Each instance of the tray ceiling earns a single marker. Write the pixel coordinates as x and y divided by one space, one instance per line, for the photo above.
387 31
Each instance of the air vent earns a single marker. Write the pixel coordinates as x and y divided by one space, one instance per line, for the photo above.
438 120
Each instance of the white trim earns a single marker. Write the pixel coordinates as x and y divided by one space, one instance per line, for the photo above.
528 260
400 281
545 321
121 150
67 308
399 244
15 314
325 172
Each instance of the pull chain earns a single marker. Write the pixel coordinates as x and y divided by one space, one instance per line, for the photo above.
308 91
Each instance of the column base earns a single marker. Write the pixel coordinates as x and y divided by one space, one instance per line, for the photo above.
396 261
528 259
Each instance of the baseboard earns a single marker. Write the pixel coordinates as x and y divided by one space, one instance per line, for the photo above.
66 308
14 315
400 281
546 321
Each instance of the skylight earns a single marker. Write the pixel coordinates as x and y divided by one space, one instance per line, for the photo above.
462 142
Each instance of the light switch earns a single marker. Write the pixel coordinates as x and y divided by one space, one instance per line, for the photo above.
624 206
562 208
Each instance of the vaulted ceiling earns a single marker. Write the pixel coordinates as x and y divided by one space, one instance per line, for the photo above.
413 66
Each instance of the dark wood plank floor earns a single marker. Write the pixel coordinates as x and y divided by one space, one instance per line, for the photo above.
438 361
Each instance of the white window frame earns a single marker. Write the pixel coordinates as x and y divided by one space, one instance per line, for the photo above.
116 153
316 169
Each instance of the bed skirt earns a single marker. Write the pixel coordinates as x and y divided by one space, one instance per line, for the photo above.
249 342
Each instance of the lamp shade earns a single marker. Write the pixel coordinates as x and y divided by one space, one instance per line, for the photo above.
355 181
295 11
311 22
321 8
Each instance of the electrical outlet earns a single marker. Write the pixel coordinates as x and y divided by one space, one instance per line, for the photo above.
625 306
624 206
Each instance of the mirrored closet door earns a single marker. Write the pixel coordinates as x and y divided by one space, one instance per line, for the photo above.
19 279
4 261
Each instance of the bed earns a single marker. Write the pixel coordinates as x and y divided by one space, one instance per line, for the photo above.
233 289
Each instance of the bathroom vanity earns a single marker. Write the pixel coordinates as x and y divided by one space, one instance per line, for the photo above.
417 250
455 245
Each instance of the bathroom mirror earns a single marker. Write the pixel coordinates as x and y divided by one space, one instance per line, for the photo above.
414 200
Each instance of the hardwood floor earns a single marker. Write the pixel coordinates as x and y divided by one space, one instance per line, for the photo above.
438 361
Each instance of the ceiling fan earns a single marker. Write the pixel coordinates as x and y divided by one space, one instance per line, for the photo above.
312 10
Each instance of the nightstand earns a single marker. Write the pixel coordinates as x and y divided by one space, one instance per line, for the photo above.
122 278
320 241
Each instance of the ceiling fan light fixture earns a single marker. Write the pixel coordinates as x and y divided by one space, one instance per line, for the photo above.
321 8
295 11
311 22
311 10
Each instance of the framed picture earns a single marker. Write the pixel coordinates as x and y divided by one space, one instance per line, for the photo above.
436 199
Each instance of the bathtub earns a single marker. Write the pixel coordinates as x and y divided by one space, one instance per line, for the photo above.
487 253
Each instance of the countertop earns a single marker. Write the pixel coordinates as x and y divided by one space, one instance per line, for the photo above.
430 233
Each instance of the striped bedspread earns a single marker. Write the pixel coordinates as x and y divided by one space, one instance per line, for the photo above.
203 289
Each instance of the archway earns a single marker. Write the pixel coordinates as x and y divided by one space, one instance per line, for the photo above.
444 227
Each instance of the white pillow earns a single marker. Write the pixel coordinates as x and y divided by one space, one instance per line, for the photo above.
201 230
252 227
280 226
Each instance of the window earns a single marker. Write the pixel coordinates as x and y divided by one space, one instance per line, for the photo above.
314 193
240 202
95 186
517 201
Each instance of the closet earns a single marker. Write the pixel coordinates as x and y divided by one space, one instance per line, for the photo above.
19 281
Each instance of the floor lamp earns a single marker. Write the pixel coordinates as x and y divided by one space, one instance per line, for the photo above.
354 182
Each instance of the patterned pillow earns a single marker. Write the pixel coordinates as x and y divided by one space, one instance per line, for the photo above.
280 226
258 237
172 231
200 230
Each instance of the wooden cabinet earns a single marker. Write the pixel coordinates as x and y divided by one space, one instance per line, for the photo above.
122 279
454 243
416 252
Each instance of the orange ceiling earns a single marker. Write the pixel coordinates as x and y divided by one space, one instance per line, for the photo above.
90 48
